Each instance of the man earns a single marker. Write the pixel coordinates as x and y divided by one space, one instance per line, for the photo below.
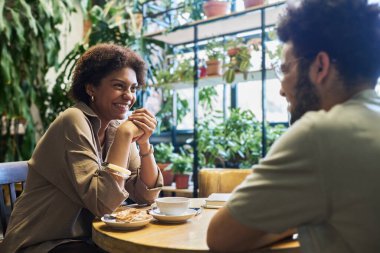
321 179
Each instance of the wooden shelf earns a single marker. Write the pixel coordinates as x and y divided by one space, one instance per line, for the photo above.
216 80
247 20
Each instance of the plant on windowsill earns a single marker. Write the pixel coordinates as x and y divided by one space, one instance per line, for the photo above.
252 3
235 142
233 46
165 77
163 153
184 71
240 62
214 52
182 165
215 8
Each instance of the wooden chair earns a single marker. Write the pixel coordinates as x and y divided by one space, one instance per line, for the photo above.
220 180
11 174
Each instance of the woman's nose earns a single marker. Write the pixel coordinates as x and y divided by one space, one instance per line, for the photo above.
128 95
282 93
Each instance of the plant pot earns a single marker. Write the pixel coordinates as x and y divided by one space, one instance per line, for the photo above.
215 8
214 67
182 181
251 3
167 175
233 51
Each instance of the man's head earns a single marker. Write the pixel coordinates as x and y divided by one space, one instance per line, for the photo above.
327 42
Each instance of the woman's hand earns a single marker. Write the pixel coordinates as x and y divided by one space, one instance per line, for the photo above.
144 120
131 129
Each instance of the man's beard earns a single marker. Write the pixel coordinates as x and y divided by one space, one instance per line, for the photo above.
306 96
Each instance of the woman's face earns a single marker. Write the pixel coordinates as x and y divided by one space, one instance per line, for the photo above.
115 95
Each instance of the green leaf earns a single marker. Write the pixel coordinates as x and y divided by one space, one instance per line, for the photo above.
31 19
18 27
47 7
2 2
6 64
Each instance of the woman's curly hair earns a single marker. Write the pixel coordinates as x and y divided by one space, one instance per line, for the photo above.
348 30
98 62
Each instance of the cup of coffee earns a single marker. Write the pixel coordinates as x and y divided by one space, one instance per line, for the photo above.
173 205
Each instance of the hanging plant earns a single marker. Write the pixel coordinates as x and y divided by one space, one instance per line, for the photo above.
29 46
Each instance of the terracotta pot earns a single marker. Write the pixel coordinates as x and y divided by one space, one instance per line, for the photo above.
214 67
251 3
232 51
182 181
215 8
167 175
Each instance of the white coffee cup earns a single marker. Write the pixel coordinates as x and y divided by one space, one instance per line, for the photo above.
173 205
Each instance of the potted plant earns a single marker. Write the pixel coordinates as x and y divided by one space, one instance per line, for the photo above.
163 153
181 164
240 61
233 46
184 70
252 3
215 58
214 8
235 142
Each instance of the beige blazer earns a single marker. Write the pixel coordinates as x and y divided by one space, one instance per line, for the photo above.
66 186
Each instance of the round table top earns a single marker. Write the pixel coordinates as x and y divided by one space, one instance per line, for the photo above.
157 237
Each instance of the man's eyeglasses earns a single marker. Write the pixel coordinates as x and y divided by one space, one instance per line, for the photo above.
280 69
283 68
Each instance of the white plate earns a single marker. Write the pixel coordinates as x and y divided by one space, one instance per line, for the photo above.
125 225
172 218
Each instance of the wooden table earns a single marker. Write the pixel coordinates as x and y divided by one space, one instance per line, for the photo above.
167 238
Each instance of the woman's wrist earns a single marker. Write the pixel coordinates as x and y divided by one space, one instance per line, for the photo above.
146 151
144 147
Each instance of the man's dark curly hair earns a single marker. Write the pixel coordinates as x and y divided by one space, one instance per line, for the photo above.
348 30
99 61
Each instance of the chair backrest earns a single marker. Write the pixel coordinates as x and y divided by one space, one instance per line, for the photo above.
10 174
220 180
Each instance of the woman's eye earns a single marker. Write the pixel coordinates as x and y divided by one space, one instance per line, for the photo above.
118 86
134 88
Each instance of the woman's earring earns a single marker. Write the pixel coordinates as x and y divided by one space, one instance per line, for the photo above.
92 99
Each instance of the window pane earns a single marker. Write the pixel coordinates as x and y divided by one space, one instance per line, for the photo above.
217 105
249 97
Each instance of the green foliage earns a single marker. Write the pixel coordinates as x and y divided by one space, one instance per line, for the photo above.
29 46
206 95
184 71
234 142
194 8
176 72
214 50
234 43
163 152
182 163
241 62
164 116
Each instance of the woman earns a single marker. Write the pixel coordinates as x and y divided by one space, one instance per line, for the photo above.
74 170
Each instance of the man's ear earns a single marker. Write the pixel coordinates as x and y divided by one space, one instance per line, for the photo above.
320 68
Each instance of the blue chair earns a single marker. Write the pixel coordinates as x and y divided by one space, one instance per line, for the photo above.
11 173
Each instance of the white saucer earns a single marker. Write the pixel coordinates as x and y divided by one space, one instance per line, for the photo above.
173 218
125 225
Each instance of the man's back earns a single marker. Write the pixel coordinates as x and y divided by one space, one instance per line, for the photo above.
349 143
322 178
